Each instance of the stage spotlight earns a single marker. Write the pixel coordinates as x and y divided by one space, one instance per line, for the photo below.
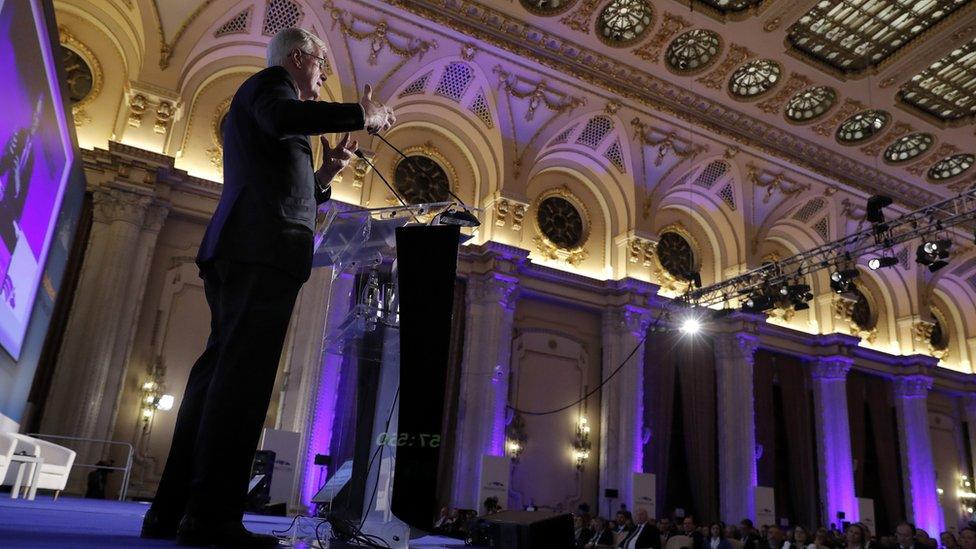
691 326
876 263
758 302
841 281
933 253
798 295
875 204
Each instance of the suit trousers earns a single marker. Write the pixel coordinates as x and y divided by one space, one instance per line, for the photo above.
228 392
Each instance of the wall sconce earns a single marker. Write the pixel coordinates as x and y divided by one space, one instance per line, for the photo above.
153 398
581 446
967 498
515 437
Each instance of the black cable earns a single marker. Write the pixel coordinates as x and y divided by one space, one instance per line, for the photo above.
408 159
654 323
389 418
359 153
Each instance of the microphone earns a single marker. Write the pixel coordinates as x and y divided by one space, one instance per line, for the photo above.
463 218
359 153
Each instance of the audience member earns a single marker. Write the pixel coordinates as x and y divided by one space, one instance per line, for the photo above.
667 530
856 537
923 539
967 538
905 536
799 539
690 530
602 534
750 538
948 540
581 530
775 537
716 537
645 534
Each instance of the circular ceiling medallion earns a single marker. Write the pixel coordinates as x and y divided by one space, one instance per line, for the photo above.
862 126
754 78
623 22
421 180
950 167
693 51
561 222
810 104
908 147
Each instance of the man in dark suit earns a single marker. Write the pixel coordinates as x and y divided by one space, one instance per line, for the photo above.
644 536
255 256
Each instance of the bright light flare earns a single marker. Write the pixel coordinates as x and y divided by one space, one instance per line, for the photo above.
691 326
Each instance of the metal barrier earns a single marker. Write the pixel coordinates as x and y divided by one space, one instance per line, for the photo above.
128 460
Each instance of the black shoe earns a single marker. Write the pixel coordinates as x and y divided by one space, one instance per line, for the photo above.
196 532
156 526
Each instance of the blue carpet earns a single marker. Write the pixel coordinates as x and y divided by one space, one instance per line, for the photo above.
87 523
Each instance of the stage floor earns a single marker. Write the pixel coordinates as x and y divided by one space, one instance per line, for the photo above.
77 522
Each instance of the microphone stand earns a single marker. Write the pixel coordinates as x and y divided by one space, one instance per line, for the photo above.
359 153
472 219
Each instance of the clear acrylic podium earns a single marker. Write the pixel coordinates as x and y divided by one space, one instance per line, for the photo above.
363 327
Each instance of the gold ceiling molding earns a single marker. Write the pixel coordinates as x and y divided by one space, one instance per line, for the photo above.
772 181
899 129
379 35
166 47
196 100
522 39
794 83
920 168
98 81
670 26
717 78
846 110
538 93
667 142
579 19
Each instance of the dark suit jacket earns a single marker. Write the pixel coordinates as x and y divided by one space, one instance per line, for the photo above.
650 536
604 537
267 207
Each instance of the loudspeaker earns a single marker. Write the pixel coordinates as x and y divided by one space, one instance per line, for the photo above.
530 530
259 490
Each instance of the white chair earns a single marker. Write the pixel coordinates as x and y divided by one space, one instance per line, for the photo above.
7 446
57 462
679 542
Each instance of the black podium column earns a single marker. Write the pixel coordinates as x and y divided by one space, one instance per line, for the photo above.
426 271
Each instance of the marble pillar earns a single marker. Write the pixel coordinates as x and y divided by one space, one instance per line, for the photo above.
734 360
918 467
833 431
489 314
92 363
622 403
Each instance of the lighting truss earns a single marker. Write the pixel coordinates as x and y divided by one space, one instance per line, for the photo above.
877 237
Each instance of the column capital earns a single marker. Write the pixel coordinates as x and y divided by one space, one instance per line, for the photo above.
112 204
627 318
493 287
831 367
969 404
736 347
912 386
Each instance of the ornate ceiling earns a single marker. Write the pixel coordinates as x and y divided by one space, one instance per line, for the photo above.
882 90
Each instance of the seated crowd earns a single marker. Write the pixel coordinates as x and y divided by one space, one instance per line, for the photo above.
638 531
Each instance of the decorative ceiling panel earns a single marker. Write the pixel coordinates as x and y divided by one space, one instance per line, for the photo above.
947 89
850 36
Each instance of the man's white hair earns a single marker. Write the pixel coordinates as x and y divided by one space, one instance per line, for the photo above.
287 41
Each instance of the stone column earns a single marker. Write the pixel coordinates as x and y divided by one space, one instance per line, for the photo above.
93 359
918 466
622 402
969 409
734 360
483 392
834 436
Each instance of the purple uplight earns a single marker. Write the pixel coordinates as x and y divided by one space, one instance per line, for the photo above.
320 430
